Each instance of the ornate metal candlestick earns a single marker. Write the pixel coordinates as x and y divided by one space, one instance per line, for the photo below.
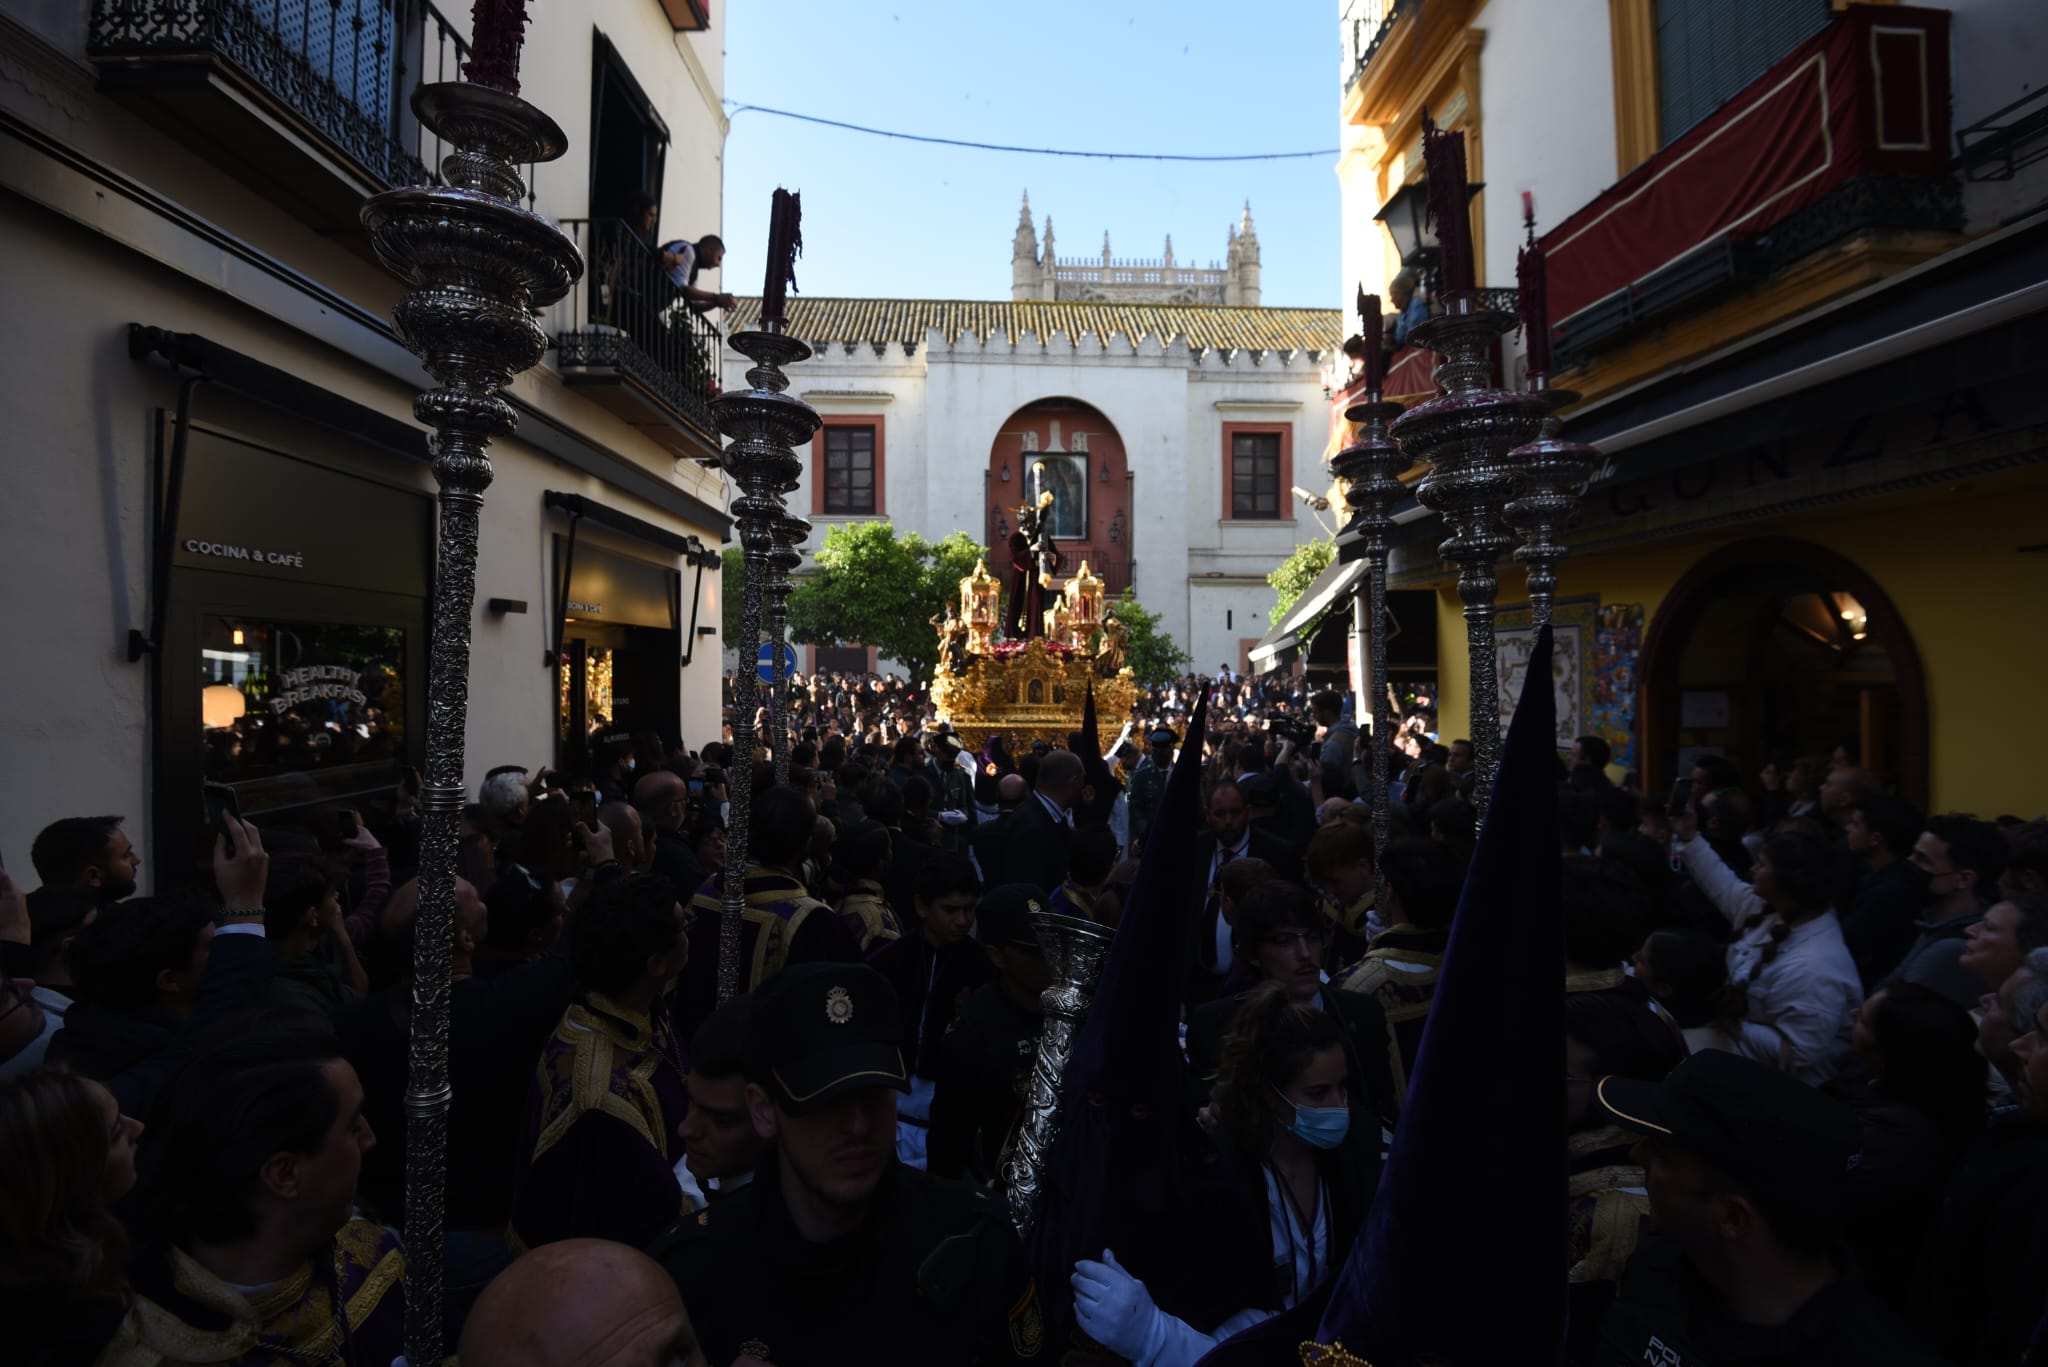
1468 434
1554 474
476 265
765 424
789 533
1074 951
1373 466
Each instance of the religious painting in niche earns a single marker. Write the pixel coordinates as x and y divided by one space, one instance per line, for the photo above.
1573 623
1616 644
1065 476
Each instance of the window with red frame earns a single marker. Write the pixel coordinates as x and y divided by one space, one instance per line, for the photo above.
849 469
1255 475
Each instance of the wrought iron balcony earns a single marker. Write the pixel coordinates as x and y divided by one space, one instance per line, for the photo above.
1366 24
627 336
308 99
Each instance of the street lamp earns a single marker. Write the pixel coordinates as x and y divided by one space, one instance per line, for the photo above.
1407 218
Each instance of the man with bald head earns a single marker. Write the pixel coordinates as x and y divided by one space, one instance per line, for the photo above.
1034 845
663 800
581 1303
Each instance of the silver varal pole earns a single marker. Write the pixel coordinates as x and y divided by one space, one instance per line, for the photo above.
1554 475
1074 953
476 264
765 424
790 532
1468 434
1372 467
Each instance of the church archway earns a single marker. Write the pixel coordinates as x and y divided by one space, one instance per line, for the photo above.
1087 471
1794 650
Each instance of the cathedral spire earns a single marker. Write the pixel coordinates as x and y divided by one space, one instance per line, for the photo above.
1024 273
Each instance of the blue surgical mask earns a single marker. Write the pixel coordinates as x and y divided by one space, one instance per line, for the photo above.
1319 1127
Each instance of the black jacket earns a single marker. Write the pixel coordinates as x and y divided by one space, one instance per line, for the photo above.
934 1274
1205 980
1884 920
135 1053
1029 847
1984 1277
930 987
1664 1313
674 861
496 1027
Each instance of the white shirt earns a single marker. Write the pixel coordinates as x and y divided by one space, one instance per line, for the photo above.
1060 815
1803 1003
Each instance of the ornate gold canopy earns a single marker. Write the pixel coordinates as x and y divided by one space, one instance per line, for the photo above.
1032 690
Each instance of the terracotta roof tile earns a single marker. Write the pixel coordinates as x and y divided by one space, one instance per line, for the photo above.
906 320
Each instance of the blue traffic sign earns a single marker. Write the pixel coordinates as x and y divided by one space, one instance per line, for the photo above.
765 666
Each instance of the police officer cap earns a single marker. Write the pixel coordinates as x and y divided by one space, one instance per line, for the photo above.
822 1030
1764 1128
1161 735
1003 916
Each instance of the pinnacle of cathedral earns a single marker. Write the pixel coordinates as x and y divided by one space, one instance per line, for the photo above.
1024 216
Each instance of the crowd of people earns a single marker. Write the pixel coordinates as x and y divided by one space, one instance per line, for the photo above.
1806 1050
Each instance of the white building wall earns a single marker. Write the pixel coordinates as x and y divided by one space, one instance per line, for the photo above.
168 239
942 404
1546 87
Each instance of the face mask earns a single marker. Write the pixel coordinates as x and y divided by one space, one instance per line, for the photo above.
1319 1127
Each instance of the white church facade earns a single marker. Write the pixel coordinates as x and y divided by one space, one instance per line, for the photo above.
1173 425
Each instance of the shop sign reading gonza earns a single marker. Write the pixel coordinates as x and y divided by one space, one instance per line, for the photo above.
254 554
310 683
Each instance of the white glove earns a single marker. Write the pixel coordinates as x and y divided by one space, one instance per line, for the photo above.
1116 1310
951 817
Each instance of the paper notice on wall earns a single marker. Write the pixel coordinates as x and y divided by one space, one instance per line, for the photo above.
1703 711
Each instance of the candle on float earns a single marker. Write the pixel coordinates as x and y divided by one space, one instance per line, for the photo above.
1534 308
1443 159
497 30
1374 370
785 241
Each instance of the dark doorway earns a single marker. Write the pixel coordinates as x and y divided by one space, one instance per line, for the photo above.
616 682
1773 649
629 139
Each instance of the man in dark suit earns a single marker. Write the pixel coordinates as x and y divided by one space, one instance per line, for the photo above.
1230 836
1280 936
882 800
1034 842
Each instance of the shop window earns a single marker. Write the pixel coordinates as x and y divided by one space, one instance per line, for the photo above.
849 470
299 712
1708 50
1256 474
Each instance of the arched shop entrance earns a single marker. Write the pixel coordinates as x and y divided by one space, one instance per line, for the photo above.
1775 648
1085 468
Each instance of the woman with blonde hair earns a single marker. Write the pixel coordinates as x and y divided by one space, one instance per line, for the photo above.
69 1154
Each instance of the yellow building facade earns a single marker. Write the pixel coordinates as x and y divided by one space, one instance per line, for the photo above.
1818 522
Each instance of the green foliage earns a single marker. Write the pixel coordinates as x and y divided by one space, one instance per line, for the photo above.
872 587
1154 656
1298 571
732 585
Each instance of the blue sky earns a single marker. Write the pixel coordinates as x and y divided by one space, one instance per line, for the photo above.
886 218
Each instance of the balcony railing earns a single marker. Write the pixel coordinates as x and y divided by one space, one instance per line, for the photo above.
1366 24
337 73
627 332
1847 133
